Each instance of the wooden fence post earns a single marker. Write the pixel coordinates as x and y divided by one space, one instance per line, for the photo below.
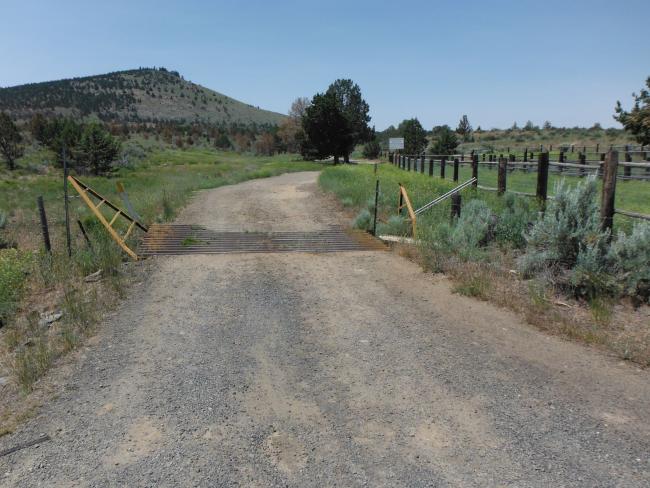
374 220
582 159
422 160
607 207
408 163
443 162
561 160
542 178
475 170
501 176
456 165
44 228
431 166
455 205
627 170
525 155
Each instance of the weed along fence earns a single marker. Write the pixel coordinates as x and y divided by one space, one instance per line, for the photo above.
610 170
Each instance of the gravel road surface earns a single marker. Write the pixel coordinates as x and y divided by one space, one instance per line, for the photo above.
340 369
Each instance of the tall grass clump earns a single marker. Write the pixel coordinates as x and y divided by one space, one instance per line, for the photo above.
15 266
513 221
629 257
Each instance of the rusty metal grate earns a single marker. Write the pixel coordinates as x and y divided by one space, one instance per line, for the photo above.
165 239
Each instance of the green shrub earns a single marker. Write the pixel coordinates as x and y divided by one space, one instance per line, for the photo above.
513 221
473 229
363 220
629 259
396 225
371 149
591 276
14 268
570 224
3 224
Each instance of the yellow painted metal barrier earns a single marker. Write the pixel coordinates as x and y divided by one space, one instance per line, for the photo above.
86 192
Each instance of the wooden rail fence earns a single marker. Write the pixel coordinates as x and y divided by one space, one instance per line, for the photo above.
608 169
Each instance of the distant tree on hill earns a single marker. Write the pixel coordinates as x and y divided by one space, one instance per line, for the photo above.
548 125
97 149
464 128
39 127
637 120
415 137
64 136
10 141
222 141
445 140
514 126
530 126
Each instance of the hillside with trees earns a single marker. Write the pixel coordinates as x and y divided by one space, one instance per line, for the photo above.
145 95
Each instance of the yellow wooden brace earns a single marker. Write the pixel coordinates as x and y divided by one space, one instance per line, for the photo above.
405 201
84 191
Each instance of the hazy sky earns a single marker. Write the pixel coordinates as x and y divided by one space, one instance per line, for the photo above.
497 62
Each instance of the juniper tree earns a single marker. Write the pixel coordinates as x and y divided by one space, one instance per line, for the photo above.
415 137
355 110
10 141
327 129
464 128
97 149
637 120
445 140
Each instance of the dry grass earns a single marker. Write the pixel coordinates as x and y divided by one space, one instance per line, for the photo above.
617 328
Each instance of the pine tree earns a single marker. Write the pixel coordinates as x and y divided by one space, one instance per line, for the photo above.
415 137
637 120
97 149
355 110
464 128
10 141
445 142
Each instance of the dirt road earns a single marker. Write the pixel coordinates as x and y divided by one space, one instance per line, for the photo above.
339 369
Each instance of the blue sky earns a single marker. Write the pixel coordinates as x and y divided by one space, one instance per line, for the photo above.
497 62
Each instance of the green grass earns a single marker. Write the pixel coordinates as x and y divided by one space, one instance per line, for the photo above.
355 184
157 186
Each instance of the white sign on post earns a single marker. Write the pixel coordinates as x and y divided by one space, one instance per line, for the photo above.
395 143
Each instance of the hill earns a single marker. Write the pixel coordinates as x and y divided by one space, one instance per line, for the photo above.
142 95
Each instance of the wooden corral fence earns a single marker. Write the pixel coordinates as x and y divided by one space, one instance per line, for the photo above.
609 169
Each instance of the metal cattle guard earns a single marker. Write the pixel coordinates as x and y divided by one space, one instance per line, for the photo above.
84 190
